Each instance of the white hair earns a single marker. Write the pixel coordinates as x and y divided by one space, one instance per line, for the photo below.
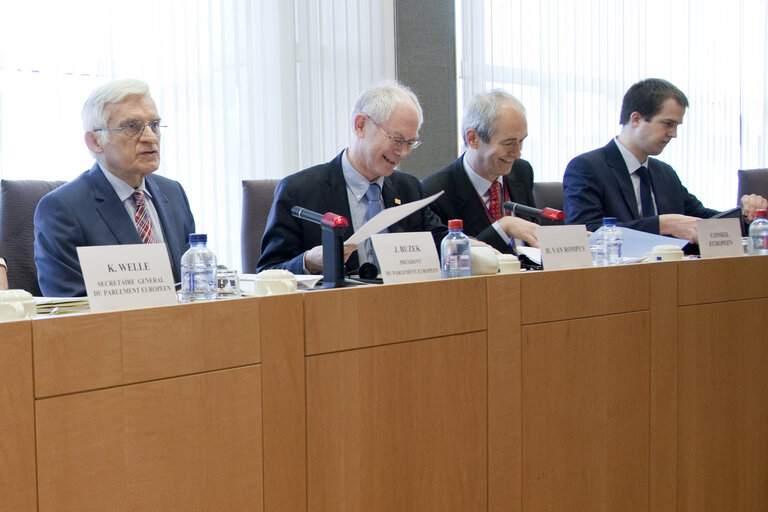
481 113
379 101
94 111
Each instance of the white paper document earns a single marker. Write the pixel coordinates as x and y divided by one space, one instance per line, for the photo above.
636 244
387 217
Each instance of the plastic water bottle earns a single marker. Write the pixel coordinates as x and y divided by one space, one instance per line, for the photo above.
613 241
758 234
198 270
454 251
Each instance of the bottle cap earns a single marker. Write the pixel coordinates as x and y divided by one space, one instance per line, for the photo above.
609 221
455 224
198 237
761 213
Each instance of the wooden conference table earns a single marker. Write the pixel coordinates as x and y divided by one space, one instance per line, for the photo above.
641 387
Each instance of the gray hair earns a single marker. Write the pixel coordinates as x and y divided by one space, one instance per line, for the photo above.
94 111
379 101
481 113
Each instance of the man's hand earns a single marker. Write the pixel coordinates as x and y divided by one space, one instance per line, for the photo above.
313 258
750 204
679 226
515 227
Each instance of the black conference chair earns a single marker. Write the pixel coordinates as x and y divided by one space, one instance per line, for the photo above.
18 200
753 181
548 194
257 200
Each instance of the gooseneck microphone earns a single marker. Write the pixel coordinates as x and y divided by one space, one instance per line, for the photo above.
546 213
333 226
330 219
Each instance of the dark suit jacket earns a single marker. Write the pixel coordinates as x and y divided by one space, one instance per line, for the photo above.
597 185
323 189
460 200
87 211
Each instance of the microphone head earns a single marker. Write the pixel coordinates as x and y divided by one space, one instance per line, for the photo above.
551 213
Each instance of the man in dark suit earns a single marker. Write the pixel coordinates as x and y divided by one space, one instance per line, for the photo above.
489 173
119 200
620 180
361 179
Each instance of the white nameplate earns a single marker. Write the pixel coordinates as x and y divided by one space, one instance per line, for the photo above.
406 257
127 276
719 238
564 247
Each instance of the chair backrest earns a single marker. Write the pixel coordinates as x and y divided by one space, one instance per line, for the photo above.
257 200
548 194
753 181
18 200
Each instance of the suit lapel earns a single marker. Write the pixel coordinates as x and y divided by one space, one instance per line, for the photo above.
468 202
111 209
168 221
621 174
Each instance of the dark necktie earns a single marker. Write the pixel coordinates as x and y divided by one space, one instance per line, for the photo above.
646 199
143 222
494 204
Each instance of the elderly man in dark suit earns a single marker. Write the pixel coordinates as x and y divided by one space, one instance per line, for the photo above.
620 180
119 200
489 173
358 182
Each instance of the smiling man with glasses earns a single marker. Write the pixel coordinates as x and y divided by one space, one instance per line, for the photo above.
119 200
359 182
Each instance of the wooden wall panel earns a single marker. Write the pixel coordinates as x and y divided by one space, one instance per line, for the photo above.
95 351
284 402
566 294
184 444
724 406
723 279
504 394
664 376
585 414
18 483
399 427
368 316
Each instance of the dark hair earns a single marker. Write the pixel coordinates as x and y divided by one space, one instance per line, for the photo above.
646 98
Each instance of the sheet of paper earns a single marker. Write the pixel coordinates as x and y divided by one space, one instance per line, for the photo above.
534 253
387 217
636 243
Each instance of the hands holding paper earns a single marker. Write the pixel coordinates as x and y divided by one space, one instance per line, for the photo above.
313 258
515 227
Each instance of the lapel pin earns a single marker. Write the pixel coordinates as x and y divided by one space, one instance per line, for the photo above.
397 201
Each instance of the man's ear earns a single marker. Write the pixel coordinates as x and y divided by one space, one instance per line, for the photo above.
359 125
473 139
92 141
635 118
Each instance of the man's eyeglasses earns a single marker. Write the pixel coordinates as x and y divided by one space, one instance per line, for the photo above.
134 128
398 141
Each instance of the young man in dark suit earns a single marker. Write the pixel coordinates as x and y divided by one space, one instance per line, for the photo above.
620 180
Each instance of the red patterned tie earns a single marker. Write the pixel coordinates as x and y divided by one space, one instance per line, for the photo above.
143 222
494 205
